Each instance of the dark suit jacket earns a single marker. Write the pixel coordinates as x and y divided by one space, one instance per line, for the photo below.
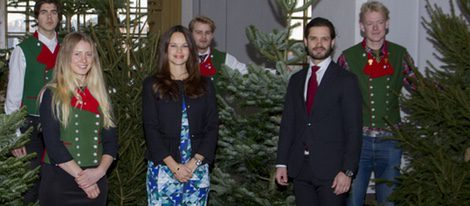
162 123
333 130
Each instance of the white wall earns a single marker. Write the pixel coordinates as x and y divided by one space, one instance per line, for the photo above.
233 16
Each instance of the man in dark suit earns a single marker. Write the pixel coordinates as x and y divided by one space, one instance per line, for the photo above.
320 136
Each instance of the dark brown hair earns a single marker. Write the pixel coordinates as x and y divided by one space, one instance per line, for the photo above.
164 86
39 3
318 21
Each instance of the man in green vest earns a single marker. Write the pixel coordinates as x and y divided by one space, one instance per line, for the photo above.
211 60
382 68
31 65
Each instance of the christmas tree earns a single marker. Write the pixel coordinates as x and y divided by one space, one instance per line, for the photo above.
15 173
435 136
250 108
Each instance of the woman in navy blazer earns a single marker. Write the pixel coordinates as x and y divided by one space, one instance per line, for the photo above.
180 124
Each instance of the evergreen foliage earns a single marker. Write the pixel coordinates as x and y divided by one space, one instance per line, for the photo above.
435 137
126 58
250 109
15 173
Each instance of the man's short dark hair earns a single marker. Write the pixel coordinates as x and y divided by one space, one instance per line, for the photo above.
319 21
39 3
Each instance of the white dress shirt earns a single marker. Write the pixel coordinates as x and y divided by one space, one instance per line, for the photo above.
230 61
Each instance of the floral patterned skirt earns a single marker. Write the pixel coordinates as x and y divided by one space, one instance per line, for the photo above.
163 189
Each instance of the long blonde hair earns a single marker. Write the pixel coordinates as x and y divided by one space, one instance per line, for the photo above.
65 83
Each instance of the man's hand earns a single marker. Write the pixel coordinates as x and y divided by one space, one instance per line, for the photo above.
281 176
19 152
92 192
341 183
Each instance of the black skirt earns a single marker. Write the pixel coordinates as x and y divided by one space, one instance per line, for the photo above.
59 188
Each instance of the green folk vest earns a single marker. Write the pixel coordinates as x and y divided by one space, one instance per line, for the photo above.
82 137
36 75
380 95
218 60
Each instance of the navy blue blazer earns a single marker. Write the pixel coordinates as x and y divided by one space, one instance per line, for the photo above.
162 123
332 132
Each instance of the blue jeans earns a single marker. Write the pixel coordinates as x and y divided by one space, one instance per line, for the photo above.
383 157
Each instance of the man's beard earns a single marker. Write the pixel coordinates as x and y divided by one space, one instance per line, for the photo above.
321 56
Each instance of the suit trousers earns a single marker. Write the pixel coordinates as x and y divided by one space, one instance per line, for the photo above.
311 191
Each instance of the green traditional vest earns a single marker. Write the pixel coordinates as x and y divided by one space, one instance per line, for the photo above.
218 60
36 75
380 95
82 137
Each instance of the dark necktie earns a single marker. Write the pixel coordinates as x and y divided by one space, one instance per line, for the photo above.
202 57
311 89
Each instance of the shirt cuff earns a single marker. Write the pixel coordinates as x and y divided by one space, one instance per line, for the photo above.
281 166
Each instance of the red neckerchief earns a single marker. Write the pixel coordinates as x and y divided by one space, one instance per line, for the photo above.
88 102
46 57
376 69
206 67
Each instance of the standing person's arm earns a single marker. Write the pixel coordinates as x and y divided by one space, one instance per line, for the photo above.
15 87
57 152
233 63
156 150
206 151
351 105
410 78
286 133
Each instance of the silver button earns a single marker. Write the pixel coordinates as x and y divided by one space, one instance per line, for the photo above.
39 44
79 162
388 86
94 154
78 154
371 94
96 138
97 116
95 161
95 146
76 131
97 123
78 147
386 102
76 139
371 87
373 124
373 116
76 123
309 124
372 102
373 109
388 78
76 115
96 131
370 79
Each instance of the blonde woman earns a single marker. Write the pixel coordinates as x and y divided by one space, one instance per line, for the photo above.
79 132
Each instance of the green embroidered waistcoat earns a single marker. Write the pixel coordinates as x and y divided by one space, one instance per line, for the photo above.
380 95
36 75
218 60
83 135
